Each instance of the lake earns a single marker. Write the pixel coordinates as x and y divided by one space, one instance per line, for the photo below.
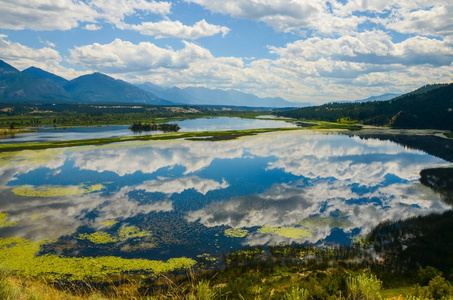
165 199
48 133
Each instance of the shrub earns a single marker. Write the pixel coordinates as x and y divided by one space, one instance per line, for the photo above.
202 291
297 294
439 288
364 286
425 275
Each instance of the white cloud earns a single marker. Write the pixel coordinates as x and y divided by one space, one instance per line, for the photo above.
114 11
124 57
370 47
45 14
427 18
92 27
50 44
68 14
284 15
421 17
23 57
312 70
175 29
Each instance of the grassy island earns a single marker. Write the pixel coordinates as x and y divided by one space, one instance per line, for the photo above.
138 127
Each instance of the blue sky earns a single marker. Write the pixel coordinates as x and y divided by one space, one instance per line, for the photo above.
302 50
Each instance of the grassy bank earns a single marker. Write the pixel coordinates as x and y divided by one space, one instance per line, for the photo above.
203 135
286 273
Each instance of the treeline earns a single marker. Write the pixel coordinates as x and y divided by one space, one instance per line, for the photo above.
22 115
432 107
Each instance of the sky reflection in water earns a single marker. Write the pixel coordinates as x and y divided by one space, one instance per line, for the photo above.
280 187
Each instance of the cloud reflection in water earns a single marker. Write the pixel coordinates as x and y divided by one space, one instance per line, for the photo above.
295 176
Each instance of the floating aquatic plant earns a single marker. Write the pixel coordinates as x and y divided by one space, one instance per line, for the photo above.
109 223
4 220
236 232
98 237
289 232
20 256
128 232
46 191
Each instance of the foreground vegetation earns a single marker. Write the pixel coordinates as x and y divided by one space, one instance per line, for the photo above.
289 272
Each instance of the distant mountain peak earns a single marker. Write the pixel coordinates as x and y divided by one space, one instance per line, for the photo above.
40 73
101 88
7 68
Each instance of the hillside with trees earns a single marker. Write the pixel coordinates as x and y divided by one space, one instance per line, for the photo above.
428 107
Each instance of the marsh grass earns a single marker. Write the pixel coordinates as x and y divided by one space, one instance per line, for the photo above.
197 136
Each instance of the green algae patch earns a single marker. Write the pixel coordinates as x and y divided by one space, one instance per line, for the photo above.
128 232
109 223
332 222
98 237
4 221
236 232
289 232
46 191
29 157
20 256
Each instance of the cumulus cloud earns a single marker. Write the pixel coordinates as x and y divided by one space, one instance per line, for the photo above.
45 15
175 29
122 56
284 15
371 48
422 17
22 57
326 17
68 14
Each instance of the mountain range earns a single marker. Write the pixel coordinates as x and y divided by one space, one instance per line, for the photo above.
34 85
205 96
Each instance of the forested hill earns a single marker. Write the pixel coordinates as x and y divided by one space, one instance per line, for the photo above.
427 107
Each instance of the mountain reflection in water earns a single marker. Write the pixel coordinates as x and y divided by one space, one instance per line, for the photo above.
171 198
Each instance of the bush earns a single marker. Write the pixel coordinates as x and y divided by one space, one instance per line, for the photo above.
425 275
364 286
439 288
297 294
202 291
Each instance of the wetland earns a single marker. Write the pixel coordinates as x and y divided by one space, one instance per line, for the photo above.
159 205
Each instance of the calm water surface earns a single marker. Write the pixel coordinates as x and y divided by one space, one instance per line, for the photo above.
164 199
48 133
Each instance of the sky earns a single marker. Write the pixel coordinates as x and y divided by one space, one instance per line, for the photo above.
313 51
